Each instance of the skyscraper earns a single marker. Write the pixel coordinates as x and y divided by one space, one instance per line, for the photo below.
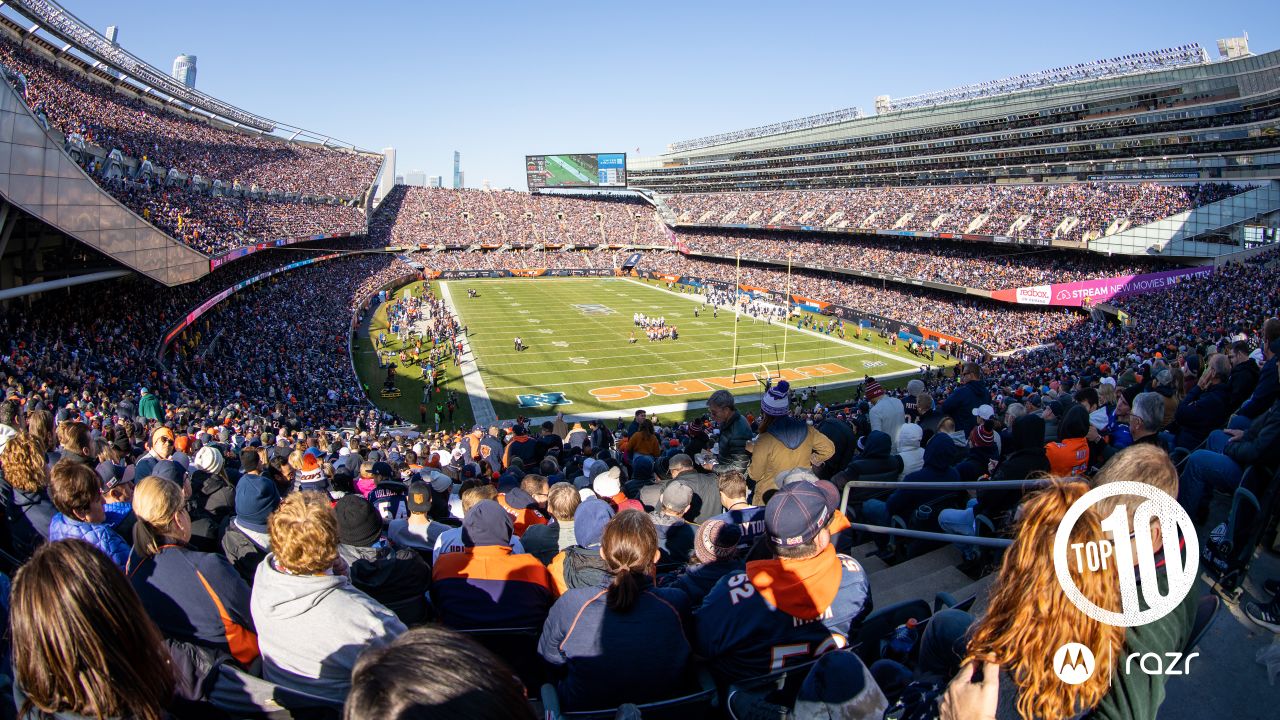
113 33
457 170
184 70
416 178
435 181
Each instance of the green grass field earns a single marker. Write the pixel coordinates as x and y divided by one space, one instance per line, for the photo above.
579 360
568 170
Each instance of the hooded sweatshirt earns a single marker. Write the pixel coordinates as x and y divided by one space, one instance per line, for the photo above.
939 456
1027 459
312 628
909 449
788 443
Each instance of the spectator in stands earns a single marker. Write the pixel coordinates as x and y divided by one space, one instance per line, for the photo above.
82 643
717 552
735 433
875 458
24 484
706 491
212 494
10 421
526 503
1268 388
246 540
1244 374
589 629
930 416
1069 456
191 596
821 595
485 585
966 398
430 671
519 446
910 449
161 448
675 535
396 578
1206 406
738 510
451 540
1220 464
76 491
887 412
75 443
939 461
783 442
546 541
644 441
418 531
312 623
842 439
580 565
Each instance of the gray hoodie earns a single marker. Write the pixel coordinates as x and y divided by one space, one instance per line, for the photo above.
909 436
312 628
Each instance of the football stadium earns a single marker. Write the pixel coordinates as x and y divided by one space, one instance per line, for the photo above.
963 407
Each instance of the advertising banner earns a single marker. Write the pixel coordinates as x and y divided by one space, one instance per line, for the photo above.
1075 294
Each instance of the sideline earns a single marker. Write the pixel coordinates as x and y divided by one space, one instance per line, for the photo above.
482 411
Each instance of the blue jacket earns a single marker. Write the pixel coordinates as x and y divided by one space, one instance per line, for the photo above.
939 456
594 643
791 612
1267 389
750 520
698 580
197 598
961 403
98 535
1202 412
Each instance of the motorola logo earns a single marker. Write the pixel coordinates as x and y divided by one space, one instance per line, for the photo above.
1073 663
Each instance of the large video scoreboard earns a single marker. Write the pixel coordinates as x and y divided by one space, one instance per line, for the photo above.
584 170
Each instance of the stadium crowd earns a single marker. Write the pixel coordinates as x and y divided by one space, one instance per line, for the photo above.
430 216
1017 211
214 225
74 103
944 261
995 326
517 259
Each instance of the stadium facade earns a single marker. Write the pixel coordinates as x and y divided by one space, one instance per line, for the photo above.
1201 120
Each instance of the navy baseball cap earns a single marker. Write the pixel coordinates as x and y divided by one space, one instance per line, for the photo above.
796 514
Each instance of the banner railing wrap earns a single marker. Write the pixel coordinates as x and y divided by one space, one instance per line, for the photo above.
1076 294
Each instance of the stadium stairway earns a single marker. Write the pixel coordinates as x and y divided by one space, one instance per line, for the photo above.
921 577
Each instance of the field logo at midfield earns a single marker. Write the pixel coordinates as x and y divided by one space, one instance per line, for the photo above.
623 393
543 399
594 309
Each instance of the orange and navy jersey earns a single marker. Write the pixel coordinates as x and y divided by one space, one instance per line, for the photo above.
779 613
523 518
1069 458
488 587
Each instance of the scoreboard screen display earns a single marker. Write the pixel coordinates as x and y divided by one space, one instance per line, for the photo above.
576 171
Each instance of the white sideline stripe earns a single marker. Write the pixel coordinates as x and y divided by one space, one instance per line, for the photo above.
569 168
481 406
832 338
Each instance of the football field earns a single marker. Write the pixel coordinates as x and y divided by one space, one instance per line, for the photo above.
578 359
570 170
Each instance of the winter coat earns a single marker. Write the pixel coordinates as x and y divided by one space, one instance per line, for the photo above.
1242 381
706 495
399 579
29 516
1260 444
1027 459
149 407
939 456
214 498
844 442
312 629
1200 413
962 401
787 443
244 548
99 535
1267 389
910 450
592 642
198 598
887 415
734 435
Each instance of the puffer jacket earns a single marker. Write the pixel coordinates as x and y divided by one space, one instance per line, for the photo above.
99 535
909 448
787 443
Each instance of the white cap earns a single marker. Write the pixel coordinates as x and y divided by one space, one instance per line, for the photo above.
986 412
608 483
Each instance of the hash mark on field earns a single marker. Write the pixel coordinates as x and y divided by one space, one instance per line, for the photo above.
726 333
524 312
560 344
546 331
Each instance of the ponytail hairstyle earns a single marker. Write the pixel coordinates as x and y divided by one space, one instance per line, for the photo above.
629 545
156 503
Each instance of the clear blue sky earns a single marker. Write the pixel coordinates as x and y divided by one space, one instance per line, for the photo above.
497 80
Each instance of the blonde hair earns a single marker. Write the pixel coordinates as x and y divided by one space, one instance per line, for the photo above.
304 533
563 501
155 501
1107 394
1142 463
23 460
1030 617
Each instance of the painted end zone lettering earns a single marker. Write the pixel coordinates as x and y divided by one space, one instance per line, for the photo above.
623 393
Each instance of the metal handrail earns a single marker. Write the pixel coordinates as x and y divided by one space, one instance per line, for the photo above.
975 485
938 537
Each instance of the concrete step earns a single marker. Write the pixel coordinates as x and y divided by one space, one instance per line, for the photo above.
924 587
981 588
871 564
915 568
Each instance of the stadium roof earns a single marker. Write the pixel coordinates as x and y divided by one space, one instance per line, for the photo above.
804 123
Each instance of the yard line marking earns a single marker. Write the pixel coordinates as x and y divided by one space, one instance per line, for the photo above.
481 406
